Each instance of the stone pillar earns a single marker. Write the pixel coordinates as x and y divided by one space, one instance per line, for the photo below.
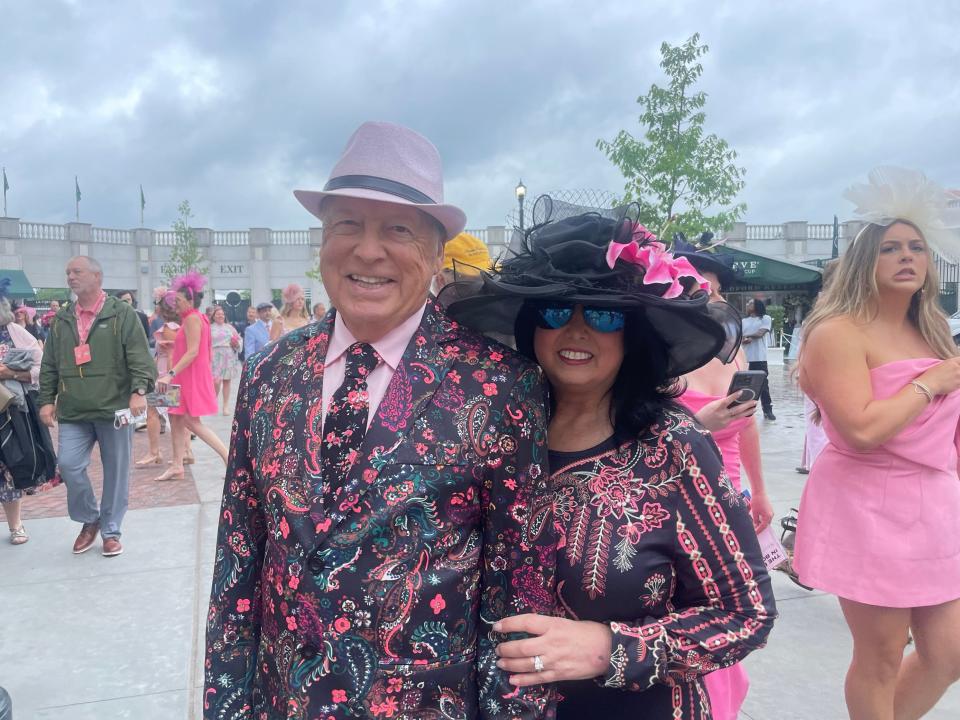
10 243
795 235
496 241
146 281
737 237
80 236
318 293
9 228
259 266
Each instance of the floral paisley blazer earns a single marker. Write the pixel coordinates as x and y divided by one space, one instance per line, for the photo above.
382 605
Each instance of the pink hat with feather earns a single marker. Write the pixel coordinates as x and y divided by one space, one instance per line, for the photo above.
390 163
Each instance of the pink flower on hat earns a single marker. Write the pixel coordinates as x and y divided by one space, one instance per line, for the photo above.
659 264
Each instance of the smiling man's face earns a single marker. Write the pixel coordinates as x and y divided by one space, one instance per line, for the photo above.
377 262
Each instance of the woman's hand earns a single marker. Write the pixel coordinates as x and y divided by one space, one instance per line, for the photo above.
761 511
163 382
568 649
6 373
718 414
943 378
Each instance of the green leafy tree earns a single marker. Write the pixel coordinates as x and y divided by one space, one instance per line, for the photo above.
681 178
186 253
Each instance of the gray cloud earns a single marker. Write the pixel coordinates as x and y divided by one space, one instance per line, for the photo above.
234 104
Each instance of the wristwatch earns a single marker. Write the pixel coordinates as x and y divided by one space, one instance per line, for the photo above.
141 391
171 372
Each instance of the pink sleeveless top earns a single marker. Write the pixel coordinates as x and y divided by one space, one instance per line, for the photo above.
728 439
195 380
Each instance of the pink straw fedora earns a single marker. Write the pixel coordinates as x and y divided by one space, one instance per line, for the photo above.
390 163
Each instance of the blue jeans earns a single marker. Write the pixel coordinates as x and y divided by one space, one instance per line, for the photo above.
76 445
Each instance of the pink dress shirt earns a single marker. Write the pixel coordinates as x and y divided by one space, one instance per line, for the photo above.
390 348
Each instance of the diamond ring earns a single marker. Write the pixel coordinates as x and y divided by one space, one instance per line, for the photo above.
537 663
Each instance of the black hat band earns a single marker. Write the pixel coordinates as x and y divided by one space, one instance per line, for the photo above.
370 182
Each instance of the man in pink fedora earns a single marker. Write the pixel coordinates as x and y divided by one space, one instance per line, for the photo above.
386 498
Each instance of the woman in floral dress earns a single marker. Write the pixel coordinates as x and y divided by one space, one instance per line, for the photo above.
659 571
225 357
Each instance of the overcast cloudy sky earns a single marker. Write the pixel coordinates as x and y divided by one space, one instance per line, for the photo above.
233 104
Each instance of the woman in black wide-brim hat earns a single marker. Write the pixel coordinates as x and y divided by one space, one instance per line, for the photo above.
659 572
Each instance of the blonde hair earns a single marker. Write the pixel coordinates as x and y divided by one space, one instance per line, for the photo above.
852 292
290 294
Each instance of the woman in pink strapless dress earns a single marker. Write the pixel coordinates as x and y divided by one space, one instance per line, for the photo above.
735 432
879 522
191 371
889 534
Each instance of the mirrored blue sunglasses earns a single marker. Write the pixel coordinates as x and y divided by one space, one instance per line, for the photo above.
605 320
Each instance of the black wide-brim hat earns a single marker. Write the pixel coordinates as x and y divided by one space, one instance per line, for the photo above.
566 262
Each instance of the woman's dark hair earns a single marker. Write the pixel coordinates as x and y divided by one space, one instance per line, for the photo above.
759 308
642 388
194 297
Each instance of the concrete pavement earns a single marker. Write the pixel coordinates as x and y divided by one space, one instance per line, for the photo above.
86 637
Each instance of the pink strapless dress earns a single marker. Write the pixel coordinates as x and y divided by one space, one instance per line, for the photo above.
727 687
883 527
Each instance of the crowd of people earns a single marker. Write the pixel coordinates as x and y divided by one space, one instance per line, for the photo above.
519 489
88 371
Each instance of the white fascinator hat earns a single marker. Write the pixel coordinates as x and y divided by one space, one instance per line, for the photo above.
895 193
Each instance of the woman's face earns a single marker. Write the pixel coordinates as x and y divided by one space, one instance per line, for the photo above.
750 308
299 303
182 304
902 260
578 358
219 316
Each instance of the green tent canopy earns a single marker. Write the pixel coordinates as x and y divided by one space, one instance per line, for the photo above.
20 287
761 271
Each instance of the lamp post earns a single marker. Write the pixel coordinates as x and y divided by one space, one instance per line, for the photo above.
521 193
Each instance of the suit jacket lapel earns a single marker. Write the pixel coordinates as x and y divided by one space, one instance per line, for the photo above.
420 373
302 369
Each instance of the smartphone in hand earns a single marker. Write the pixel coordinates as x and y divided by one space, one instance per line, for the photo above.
749 383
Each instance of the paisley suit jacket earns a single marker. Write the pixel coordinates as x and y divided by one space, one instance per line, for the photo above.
381 604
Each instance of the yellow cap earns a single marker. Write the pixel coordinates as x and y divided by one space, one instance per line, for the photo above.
466 249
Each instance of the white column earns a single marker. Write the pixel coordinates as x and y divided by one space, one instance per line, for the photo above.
259 266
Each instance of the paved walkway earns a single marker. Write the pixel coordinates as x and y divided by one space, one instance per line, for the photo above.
88 638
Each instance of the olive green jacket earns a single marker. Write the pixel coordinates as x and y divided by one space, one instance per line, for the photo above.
120 364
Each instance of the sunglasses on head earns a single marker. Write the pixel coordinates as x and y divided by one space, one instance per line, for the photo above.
605 320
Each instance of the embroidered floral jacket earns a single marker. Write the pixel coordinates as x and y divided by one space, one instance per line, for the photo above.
381 604
657 543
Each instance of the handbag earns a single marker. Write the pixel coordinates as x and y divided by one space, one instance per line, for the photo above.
6 398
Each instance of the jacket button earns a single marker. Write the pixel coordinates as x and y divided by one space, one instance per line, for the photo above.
308 651
316 565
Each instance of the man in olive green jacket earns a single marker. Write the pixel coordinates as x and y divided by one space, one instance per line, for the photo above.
96 361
